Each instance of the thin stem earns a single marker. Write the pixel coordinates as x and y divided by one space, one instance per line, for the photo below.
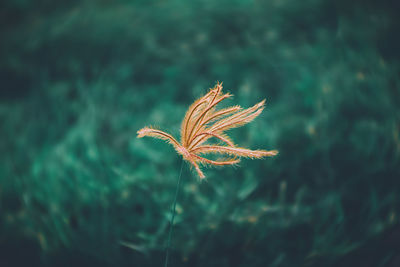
173 216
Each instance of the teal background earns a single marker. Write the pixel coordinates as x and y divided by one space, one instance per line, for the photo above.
79 78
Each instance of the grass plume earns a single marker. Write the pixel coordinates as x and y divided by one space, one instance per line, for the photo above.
202 122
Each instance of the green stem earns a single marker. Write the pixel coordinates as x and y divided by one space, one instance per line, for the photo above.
173 216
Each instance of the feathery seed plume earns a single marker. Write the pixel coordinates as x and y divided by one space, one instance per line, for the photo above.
202 122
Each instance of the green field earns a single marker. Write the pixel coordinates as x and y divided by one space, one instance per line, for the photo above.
80 78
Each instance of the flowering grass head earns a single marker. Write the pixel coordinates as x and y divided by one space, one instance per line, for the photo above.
203 122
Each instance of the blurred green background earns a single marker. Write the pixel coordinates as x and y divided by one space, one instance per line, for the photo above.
79 78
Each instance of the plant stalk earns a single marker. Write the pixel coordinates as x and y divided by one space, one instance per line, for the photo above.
173 211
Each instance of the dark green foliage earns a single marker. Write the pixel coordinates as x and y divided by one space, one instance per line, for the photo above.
79 78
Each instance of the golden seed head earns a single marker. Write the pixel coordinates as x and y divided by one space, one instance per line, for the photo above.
202 122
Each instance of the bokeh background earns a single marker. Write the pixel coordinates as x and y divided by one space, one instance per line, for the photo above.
79 78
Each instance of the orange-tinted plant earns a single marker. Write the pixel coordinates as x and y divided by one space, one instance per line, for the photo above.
203 122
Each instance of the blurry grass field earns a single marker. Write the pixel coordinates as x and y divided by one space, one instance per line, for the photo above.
79 78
